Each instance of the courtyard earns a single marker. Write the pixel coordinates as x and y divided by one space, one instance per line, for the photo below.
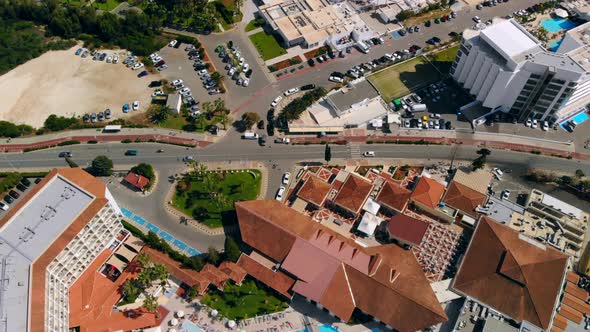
209 196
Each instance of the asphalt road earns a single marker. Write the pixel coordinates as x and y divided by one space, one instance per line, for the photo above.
250 151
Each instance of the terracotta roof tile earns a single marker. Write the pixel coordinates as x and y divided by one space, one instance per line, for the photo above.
394 196
428 192
213 275
136 180
407 229
560 322
464 198
577 304
353 193
360 276
276 280
233 271
573 277
571 314
576 291
188 276
510 274
314 190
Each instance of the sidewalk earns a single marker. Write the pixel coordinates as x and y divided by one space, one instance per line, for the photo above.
85 135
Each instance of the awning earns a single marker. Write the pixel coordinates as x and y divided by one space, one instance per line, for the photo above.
117 263
126 253
561 13
134 243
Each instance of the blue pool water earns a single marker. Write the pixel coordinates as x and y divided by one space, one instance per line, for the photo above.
193 252
327 328
555 45
557 24
189 326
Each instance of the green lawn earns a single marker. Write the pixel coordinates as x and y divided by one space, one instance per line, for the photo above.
179 122
254 24
397 81
245 301
267 45
107 6
444 59
194 195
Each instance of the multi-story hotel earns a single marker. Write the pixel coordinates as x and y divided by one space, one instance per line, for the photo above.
507 69
47 240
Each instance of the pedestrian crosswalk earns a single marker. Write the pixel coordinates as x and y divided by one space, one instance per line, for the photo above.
355 150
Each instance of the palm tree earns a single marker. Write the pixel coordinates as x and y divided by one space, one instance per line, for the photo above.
161 273
143 260
219 104
225 120
150 303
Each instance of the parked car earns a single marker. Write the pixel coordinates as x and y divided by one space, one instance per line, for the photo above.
291 91
136 105
307 87
125 108
107 113
4 206
86 117
505 194
8 199
100 116
286 178
280 192
137 66
276 101
162 67
93 117
14 194
78 51
173 43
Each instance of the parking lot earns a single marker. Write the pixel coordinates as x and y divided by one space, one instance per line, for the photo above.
13 195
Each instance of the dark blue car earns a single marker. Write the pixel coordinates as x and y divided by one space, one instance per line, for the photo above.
78 51
142 74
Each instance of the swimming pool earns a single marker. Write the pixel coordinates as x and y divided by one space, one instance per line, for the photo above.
557 24
189 326
555 45
579 118
323 328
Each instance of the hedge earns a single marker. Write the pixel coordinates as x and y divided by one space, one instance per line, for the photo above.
26 174
9 181
70 142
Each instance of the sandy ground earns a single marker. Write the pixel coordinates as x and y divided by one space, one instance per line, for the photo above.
59 82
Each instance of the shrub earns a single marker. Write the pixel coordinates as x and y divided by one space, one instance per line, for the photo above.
70 142
126 141
10 180
92 142
298 105
57 123
138 140
9 129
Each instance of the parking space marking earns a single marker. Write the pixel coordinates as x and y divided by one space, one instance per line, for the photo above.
153 228
166 236
193 252
139 220
179 244
126 212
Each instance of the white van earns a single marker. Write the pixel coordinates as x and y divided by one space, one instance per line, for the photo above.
363 47
249 135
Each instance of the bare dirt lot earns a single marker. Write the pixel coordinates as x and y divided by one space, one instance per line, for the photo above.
59 82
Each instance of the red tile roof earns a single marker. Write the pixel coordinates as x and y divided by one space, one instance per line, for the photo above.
510 274
213 275
314 190
276 280
233 271
394 196
428 192
186 275
136 180
407 229
353 193
357 275
464 198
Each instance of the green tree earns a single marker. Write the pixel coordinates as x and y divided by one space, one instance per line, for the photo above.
231 249
191 294
101 166
57 123
225 120
484 152
150 303
130 289
328 153
213 256
478 163
144 169
249 119
143 260
159 114
161 273
580 173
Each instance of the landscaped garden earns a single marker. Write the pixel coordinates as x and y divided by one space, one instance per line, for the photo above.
245 301
267 45
209 197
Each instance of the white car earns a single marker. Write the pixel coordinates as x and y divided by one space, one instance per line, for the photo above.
369 154
3 206
505 194
177 82
545 126
280 192
407 123
291 91
436 125
179 87
162 67
476 19
286 178
276 101
535 123
109 59
528 123
135 105
185 91
336 79
115 59
498 173
245 67
202 72
173 43
246 82
137 66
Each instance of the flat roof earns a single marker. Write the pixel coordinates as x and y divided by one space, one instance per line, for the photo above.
562 206
26 236
345 98
508 38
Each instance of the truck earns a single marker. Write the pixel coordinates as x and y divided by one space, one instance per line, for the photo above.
249 135
419 108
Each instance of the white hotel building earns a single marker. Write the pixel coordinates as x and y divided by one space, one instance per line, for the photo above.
506 69
47 240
